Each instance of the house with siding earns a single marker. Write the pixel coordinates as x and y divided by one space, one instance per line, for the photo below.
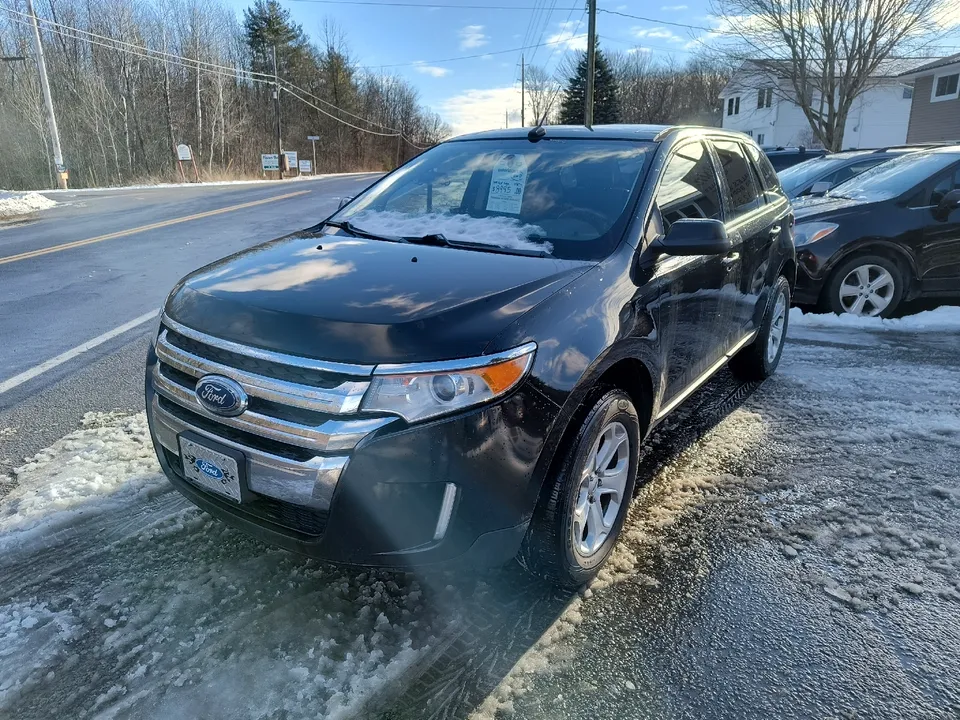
759 100
935 109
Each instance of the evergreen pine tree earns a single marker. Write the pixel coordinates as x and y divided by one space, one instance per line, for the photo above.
606 100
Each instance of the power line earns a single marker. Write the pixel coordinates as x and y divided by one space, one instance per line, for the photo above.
466 57
211 68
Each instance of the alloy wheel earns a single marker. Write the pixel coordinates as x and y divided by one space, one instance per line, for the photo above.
778 326
867 290
601 492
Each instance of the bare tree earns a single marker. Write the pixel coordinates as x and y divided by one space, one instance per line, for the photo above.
542 93
826 52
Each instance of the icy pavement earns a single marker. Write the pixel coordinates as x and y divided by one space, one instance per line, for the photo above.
14 204
794 551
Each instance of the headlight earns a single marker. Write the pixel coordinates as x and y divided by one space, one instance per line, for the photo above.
806 233
420 391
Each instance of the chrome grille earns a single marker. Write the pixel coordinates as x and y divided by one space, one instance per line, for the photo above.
318 414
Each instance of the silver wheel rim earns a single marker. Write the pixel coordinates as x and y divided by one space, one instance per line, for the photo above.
603 482
778 326
867 290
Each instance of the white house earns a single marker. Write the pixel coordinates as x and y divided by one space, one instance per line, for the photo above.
757 101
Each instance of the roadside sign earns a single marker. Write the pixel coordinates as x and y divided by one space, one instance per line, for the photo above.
183 152
313 138
270 162
291 158
306 166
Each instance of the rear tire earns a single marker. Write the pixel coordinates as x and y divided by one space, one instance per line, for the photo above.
579 518
759 359
870 285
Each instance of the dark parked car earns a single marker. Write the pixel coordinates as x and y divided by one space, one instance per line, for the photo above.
890 234
783 157
461 364
816 176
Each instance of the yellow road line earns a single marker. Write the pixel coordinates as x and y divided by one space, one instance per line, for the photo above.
144 228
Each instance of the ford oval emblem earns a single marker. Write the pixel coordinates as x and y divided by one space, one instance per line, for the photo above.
221 395
208 469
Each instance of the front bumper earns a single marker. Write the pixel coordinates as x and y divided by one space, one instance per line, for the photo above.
383 502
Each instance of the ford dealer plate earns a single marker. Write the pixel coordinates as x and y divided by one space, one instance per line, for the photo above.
209 469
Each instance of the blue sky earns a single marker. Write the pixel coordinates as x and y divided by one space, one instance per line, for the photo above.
473 94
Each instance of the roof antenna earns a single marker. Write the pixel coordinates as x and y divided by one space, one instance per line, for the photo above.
536 134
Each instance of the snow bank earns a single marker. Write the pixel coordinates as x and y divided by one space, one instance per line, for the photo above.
214 183
107 463
13 204
943 318
504 231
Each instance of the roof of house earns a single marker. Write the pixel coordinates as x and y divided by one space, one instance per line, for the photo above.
889 68
933 65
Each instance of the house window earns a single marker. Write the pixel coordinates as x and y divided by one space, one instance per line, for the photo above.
749 133
733 106
945 87
764 98
760 138
908 92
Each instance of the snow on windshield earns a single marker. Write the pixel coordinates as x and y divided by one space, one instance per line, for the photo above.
502 231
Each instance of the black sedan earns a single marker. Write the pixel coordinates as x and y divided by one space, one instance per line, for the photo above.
817 176
460 365
890 234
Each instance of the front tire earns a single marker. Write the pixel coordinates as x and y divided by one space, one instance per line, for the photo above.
868 285
759 359
583 507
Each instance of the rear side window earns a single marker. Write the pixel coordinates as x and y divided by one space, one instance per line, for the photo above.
744 193
852 170
689 187
767 174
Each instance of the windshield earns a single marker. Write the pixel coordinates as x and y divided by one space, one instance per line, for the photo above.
895 177
796 176
567 197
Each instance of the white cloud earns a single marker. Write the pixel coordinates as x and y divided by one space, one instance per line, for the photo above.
673 8
949 16
657 33
635 50
431 70
565 37
475 110
472 36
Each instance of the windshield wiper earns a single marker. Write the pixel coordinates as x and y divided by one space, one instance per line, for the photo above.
441 240
359 232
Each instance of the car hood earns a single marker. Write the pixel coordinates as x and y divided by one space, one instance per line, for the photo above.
346 299
808 207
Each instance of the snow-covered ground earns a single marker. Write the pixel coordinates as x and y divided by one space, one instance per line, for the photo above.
14 204
824 508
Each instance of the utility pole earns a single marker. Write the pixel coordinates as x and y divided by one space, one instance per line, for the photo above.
276 112
48 100
591 62
523 86
506 118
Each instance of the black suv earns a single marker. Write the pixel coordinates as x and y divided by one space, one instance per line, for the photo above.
888 235
461 363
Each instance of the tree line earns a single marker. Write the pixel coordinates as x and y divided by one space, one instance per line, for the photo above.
133 78
631 87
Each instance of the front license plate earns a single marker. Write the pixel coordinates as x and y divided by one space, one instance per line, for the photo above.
210 469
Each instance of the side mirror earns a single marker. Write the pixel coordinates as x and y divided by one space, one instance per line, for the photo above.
344 201
950 201
819 188
691 236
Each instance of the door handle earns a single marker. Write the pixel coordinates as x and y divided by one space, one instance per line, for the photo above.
775 231
731 258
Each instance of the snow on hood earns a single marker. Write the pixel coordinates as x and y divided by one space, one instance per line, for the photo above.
943 318
13 204
503 231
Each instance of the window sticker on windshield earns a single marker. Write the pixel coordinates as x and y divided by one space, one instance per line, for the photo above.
507 185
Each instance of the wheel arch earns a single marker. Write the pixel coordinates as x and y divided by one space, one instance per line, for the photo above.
892 251
619 368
